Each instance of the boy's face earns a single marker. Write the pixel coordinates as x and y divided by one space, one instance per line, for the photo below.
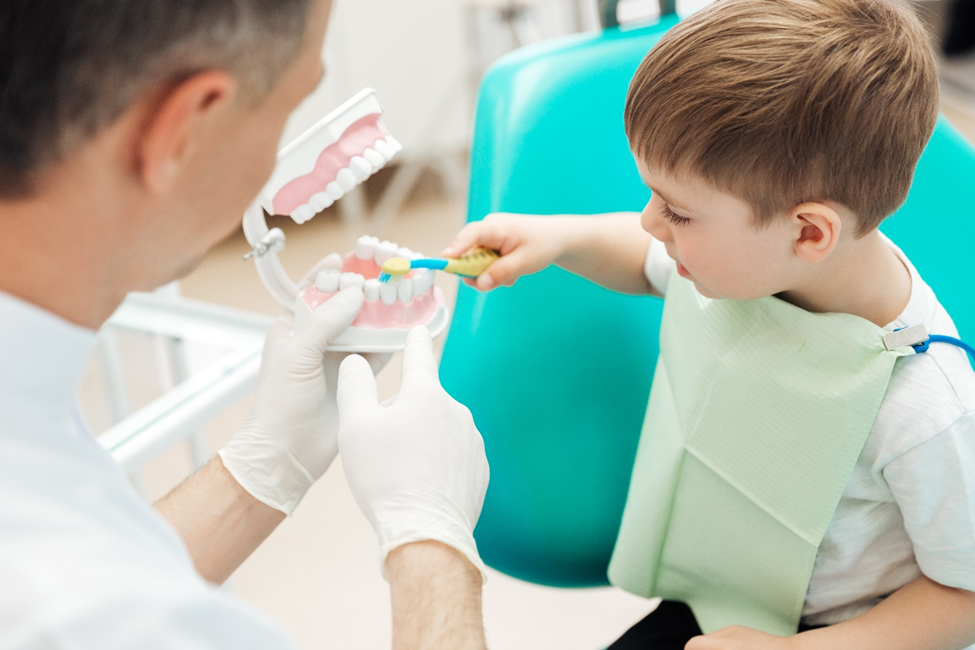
712 237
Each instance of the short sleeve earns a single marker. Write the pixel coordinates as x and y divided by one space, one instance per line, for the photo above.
934 486
658 266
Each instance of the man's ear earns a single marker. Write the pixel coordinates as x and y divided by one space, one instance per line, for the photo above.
817 231
176 122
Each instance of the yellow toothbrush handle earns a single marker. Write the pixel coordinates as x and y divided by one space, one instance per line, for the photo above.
472 264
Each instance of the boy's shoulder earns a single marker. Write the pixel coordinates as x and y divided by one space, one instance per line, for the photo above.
929 392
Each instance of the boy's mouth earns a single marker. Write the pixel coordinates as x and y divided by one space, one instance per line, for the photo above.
682 270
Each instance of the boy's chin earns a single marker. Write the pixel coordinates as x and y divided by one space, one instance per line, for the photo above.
704 291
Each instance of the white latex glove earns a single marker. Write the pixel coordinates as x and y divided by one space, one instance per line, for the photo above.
416 463
290 436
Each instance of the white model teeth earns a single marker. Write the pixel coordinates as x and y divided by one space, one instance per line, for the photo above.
384 251
374 158
365 247
387 293
384 150
327 281
334 190
404 252
360 168
394 144
404 290
346 179
371 290
347 280
303 213
422 282
320 201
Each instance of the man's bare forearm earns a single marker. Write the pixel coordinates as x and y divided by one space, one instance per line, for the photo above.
922 615
219 521
436 599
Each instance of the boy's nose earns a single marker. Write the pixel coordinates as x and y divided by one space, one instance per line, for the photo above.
653 222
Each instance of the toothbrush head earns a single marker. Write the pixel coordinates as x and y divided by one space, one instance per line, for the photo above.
394 269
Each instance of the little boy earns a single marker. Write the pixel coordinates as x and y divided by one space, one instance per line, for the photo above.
799 470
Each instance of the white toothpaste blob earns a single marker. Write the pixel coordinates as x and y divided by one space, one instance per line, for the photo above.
346 179
384 251
360 167
387 293
327 281
405 290
371 290
365 247
374 158
347 280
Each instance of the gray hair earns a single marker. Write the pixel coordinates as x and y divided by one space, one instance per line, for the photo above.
69 68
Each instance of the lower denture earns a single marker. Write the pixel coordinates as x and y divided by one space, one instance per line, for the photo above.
376 314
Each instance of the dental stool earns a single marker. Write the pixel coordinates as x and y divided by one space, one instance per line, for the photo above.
556 370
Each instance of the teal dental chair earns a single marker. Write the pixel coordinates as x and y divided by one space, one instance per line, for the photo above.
556 370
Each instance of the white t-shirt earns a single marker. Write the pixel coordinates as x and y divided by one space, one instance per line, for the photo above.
909 506
84 563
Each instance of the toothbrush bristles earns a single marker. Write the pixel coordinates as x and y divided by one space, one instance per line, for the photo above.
384 277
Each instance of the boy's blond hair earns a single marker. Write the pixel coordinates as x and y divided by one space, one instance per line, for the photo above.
779 102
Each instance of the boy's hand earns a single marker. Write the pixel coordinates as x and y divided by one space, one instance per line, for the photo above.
528 244
739 638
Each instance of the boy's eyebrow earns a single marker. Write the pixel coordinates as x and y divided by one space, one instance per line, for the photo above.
669 202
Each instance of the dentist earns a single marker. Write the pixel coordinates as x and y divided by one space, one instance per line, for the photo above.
133 134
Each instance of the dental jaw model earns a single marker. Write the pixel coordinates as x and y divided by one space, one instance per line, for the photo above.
323 164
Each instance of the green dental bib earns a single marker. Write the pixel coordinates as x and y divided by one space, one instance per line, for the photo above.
757 414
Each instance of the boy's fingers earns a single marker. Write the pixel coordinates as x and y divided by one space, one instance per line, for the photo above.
504 271
479 233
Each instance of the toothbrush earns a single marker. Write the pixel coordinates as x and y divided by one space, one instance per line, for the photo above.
469 265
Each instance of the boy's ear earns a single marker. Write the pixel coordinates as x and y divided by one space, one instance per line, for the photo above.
817 231
175 124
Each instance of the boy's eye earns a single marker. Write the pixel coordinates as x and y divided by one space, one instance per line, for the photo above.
673 217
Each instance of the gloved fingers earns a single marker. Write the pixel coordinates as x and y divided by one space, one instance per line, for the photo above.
356 387
389 401
327 322
277 338
331 261
419 364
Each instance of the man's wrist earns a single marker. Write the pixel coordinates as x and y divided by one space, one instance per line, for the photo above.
436 598
416 557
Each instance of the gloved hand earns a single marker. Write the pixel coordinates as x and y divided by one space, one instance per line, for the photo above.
416 463
289 437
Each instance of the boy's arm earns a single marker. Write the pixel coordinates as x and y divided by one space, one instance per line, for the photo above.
609 249
921 615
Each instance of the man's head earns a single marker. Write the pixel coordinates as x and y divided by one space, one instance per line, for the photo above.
785 103
156 121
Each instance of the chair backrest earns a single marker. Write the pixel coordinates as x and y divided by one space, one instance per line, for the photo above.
556 370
